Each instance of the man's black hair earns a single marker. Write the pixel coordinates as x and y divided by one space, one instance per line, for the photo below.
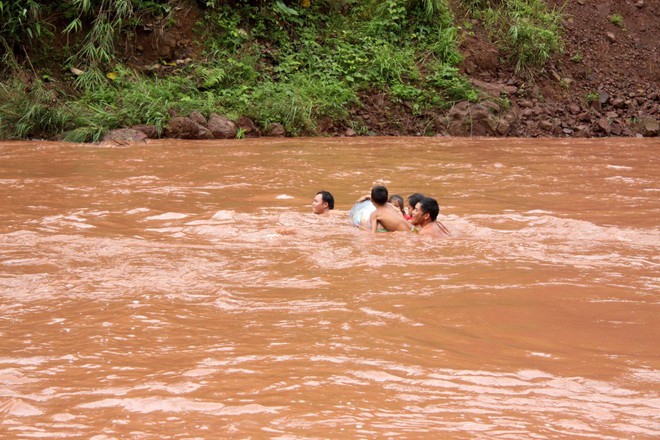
379 195
430 206
414 199
327 197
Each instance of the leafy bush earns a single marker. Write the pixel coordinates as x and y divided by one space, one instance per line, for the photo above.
453 86
299 103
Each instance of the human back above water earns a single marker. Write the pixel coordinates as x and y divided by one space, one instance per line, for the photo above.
386 218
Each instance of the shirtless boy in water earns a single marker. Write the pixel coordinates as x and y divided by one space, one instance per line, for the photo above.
386 216
425 216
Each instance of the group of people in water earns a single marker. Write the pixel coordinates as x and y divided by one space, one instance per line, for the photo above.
390 215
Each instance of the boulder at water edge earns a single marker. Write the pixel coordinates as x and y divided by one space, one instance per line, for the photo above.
198 117
150 130
221 127
276 130
248 127
186 128
648 126
124 135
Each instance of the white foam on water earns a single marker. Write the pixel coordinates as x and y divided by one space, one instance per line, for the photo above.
167 216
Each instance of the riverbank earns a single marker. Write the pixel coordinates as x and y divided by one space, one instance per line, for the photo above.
187 70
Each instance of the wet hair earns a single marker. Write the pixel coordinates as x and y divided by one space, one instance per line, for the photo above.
397 198
327 197
414 199
379 195
430 206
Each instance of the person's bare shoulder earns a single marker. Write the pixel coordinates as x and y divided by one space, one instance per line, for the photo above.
392 222
424 233
432 231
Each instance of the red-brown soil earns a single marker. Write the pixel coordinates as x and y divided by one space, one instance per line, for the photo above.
621 65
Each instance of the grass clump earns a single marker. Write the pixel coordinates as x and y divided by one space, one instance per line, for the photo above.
617 20
299 102
593 97
526 30
31 111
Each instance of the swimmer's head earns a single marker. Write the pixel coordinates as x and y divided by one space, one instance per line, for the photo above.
323 202
413 200
429 206
379 195
397 201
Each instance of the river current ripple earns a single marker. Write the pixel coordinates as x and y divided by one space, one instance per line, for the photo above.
184 290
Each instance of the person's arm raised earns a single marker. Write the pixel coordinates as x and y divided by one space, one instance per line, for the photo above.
373 218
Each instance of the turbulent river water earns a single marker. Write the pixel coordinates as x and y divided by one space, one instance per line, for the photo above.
185 290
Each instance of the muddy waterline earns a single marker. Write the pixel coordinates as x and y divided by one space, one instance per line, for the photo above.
184 290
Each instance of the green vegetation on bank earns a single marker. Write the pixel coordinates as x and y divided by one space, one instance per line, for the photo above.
292 62
527 31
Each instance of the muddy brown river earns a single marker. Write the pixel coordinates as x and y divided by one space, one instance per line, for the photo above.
185 290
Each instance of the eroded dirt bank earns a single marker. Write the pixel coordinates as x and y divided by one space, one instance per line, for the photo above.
606 83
